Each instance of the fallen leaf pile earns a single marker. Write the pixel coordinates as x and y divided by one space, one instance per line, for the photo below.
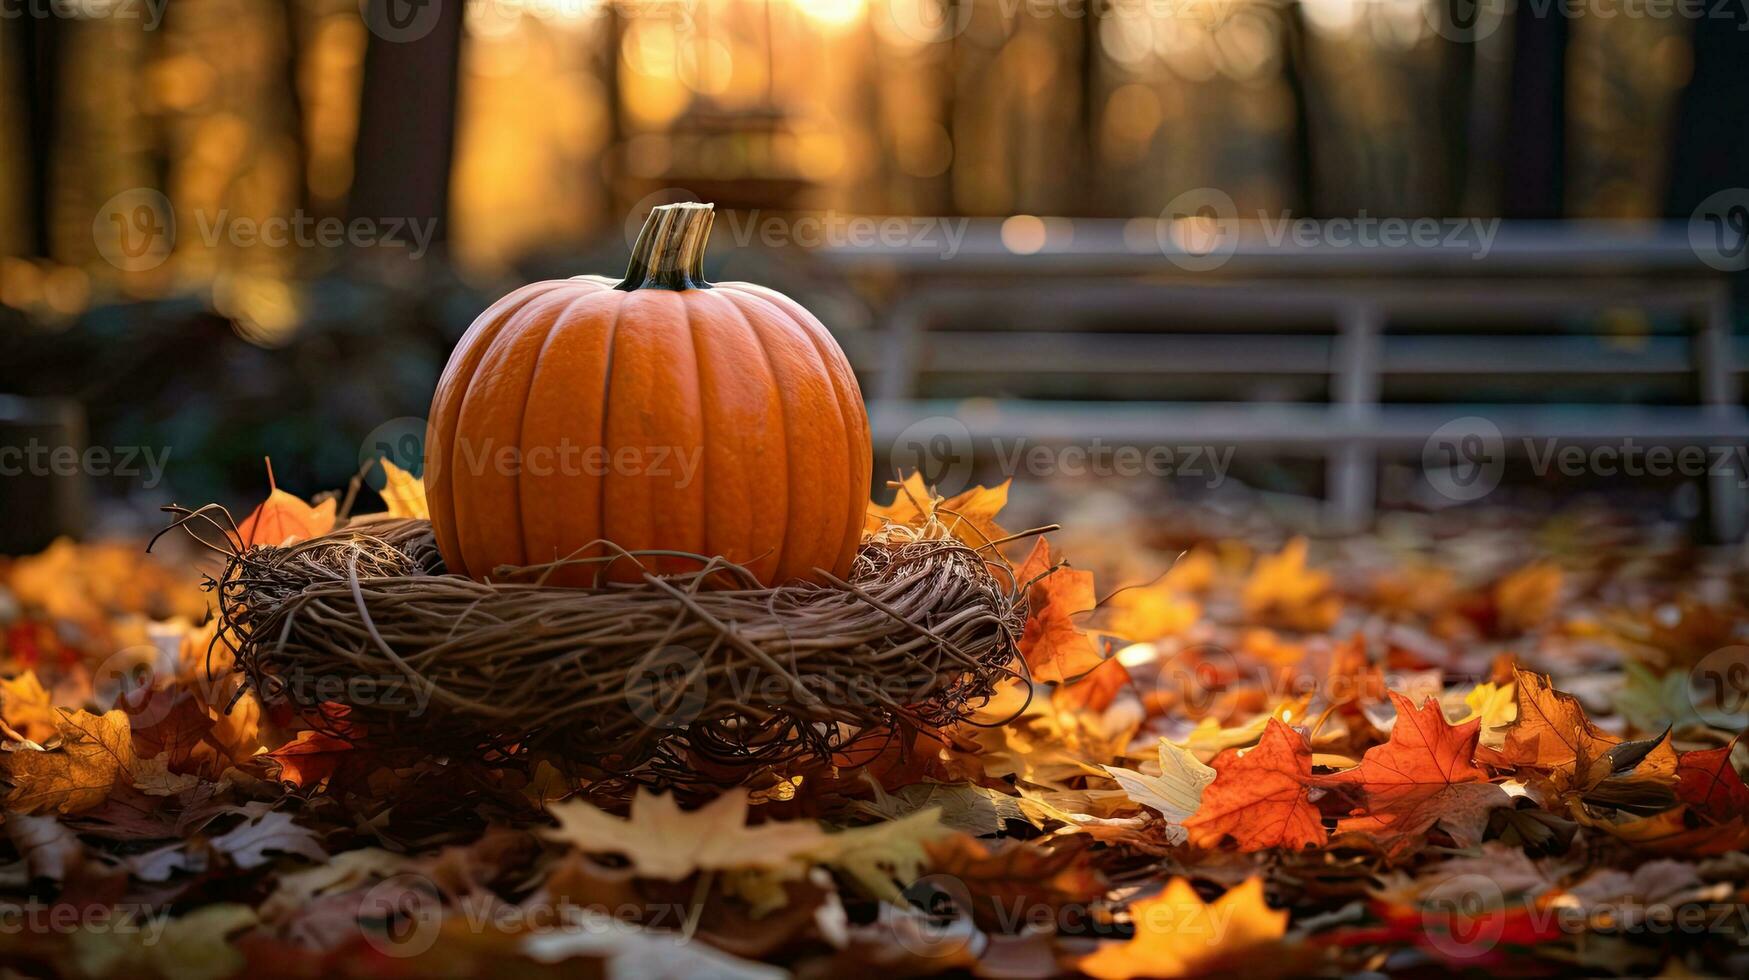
1512 748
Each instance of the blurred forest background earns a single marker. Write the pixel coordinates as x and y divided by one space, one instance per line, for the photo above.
530 129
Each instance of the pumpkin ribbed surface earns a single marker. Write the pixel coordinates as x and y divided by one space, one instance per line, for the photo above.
710 419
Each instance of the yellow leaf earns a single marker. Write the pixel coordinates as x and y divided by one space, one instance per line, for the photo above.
77 775
660 840
879 855
196 947
1175 794
27 707
403 492
1527 597
154 778
1496 705
1283 592
969 516
1208 739
1152 612
1193 572
1177 934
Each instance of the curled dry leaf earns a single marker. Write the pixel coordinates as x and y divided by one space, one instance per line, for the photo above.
1010 885
1175 794
78 773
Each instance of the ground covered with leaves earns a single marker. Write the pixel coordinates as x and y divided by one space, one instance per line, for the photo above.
1488 743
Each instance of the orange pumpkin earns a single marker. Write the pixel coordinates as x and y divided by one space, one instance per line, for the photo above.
660 412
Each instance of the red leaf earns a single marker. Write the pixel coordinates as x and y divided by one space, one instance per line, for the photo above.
310 758
1710 785
1259 798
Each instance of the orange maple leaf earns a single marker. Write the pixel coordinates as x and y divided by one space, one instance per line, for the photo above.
1054 648
1425 774
1553 734
1260 798
1552 730
284 519
1094 692
1178 934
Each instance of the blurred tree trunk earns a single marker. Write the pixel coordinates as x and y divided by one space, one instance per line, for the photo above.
1711 146
407 114
1536 118
1456 94
1297 76
294 95
39 47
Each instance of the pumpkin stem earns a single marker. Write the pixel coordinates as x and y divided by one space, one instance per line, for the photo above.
670 250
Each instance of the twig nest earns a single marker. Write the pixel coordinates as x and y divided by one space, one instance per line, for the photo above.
664 680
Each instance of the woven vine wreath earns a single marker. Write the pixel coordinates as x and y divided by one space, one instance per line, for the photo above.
691 678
